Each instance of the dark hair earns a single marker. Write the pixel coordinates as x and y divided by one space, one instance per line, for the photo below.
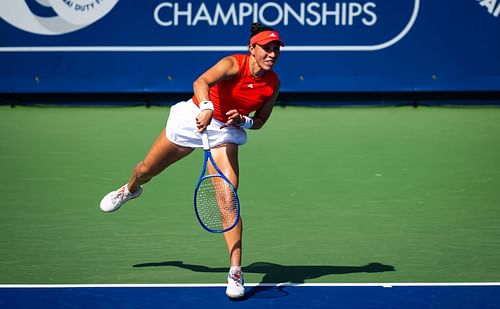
257 28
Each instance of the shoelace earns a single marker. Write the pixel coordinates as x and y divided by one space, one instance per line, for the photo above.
119 195
236 277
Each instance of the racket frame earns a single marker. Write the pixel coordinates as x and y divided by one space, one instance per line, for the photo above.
208 157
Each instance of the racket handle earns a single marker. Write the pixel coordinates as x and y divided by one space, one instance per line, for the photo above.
204 138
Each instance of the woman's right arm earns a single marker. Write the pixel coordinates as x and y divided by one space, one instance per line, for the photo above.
226 68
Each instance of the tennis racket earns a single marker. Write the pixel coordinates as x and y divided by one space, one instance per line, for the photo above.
216 202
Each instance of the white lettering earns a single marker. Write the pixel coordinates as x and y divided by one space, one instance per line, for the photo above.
156 14
326 13
355 9
367 9
289 10
314 13
245 10
489 4
186 13
344 13
231 14
279 13
202 15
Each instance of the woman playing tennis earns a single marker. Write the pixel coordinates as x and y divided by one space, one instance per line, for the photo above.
224 97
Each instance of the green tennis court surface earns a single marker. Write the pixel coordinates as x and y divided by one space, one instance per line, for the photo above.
329 195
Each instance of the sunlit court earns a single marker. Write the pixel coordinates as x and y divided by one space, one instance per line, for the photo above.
266 154
411 196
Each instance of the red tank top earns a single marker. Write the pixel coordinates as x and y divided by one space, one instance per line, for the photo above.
244 92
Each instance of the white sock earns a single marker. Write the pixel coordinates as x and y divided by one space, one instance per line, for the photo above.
234 269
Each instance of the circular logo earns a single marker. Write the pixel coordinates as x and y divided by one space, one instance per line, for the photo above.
54 17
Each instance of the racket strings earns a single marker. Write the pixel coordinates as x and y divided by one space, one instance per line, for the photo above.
216 203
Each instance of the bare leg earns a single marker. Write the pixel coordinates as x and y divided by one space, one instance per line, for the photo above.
226 157
233 242
162 154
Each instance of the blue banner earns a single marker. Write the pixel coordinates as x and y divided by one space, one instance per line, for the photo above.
124 46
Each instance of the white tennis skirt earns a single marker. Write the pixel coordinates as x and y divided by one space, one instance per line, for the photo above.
181 128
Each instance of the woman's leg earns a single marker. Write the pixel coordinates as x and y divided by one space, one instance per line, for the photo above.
226 158
161 154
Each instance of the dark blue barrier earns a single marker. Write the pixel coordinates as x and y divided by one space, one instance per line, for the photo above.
148 47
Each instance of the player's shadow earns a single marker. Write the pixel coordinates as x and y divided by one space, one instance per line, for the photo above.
275 273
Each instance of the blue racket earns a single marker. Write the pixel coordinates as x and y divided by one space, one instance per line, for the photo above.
216 202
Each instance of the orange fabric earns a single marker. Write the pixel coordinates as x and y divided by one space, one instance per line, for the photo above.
244 93
265 37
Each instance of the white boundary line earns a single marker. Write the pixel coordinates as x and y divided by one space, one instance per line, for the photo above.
375 47
211 285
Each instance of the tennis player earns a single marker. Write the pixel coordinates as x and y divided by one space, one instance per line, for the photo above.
224 98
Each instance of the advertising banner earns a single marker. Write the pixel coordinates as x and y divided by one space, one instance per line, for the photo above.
158 46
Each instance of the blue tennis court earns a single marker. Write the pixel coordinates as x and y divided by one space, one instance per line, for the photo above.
401 295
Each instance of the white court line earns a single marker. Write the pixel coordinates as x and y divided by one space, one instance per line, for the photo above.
210 285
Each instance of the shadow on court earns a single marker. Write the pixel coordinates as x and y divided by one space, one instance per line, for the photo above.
276 273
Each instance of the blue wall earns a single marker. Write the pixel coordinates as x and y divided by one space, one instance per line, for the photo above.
156 46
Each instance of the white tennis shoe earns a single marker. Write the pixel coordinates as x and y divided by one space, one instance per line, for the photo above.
115 199
235 283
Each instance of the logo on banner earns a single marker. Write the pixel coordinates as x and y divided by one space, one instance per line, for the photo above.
493 6
324 25
54 17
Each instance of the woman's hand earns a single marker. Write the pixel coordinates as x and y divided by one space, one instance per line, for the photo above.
235 119
203 120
